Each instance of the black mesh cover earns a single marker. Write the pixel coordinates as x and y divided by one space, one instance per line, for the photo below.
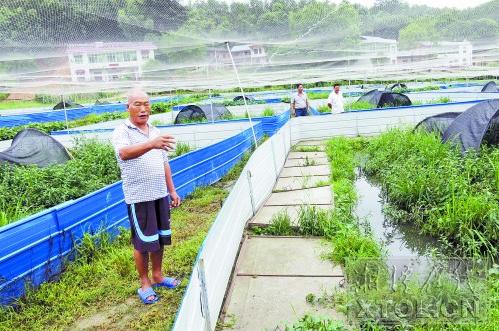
437 123
396 86
479 123
490 87
240 98
67 105
31 146
201 113
381 99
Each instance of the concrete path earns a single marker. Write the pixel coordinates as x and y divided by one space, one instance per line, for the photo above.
274 275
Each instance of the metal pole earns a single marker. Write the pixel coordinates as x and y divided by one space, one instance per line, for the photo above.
242 93
65 112
209 96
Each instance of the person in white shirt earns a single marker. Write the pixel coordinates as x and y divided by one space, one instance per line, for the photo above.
299 102
335 100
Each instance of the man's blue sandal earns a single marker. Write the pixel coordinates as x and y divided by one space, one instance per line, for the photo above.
168 282
145 294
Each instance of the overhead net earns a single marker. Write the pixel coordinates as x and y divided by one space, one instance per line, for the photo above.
65 46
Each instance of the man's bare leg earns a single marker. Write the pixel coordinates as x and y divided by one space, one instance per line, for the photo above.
157 261
142 265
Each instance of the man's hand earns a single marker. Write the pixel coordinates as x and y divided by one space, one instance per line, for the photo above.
175 199
163 142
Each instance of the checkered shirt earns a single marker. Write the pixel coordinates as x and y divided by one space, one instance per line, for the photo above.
143 177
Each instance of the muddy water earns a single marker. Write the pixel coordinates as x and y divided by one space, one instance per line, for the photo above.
406 249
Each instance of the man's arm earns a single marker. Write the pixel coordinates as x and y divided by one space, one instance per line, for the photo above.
171 187
134 151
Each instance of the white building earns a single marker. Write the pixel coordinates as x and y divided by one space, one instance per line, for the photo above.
108 61
242 54
379 50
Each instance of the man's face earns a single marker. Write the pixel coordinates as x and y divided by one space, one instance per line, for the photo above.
139 110
336 89
300 88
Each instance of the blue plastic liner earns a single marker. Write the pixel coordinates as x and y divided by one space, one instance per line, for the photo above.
34 250
72 113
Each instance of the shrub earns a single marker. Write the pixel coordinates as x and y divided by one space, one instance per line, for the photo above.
4 96
268 112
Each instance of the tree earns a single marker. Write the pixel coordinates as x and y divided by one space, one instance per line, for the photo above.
419 30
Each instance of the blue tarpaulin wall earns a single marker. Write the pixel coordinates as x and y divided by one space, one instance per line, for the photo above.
72 114
34 249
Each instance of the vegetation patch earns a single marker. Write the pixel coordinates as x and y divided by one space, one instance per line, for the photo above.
25 190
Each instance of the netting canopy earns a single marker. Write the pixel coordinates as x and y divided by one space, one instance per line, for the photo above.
380 99
437 123
202 113
31 146
63 47
479 123
490 87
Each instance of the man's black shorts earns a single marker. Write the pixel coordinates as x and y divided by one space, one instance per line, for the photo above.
150 224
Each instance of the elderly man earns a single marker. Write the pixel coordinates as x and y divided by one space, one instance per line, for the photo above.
335 100
147 180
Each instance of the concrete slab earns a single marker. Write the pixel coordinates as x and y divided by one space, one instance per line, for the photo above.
297 183
306 162
319 170
312 143
318 196
265 214
285 256
263 303
303 155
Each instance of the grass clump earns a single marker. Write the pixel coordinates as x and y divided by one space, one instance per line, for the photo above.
323 109
268 112
359 105
25 190
312 323
305 148
182 148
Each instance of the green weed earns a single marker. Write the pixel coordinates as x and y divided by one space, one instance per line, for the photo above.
182 148
268 112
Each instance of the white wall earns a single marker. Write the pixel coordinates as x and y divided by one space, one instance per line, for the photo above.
197 136
365 123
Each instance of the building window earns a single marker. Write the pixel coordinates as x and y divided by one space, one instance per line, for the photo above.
145 54
96 58
129 56
111 57
78 59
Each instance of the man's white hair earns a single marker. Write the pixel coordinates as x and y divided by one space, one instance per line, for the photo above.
134 94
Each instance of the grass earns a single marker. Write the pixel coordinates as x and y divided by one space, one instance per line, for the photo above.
304 148
25 190
182 148
358 105
425 178
99 288
323 109
450 196
20 104
268 112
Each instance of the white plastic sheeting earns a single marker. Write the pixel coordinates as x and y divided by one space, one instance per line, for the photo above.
211 273
366 123
197 136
